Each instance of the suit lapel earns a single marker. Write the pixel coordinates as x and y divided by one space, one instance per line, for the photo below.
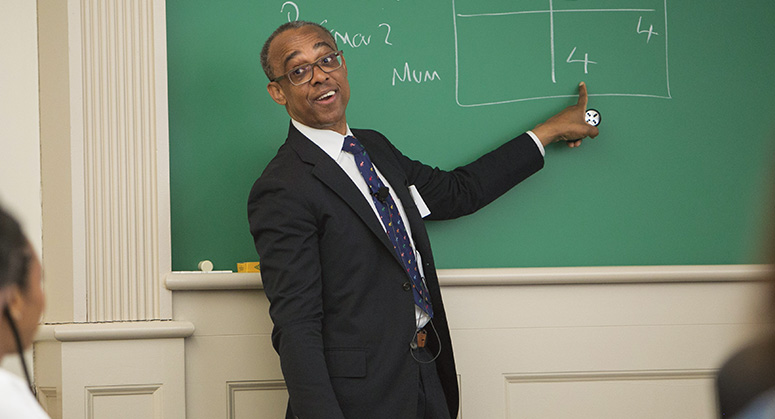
330 174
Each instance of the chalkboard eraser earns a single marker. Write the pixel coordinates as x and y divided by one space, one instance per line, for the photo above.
246 267
205 266
592 117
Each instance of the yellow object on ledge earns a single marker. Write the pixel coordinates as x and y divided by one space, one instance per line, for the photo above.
245 267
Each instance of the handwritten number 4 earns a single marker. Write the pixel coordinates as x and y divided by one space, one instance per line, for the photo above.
650 30
585 60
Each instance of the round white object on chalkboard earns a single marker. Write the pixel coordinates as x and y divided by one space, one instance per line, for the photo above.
592 117
205 266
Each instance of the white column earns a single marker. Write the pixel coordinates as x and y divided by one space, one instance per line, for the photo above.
121 44
114 109
106 234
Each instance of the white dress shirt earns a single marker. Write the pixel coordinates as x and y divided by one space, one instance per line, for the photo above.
16 399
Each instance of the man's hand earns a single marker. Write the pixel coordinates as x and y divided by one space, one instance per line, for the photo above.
568 125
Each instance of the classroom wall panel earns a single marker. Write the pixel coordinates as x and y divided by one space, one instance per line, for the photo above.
638 342
109 370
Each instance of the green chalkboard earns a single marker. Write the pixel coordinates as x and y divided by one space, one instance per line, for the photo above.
679 174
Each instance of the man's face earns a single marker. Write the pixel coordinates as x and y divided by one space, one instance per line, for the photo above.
321 102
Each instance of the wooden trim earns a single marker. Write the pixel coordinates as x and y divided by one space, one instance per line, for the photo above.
198 281
82 332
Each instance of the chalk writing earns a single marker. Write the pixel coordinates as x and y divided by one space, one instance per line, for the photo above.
354 41
473 20
294 6
388 32
585 60
650 30
414 75
357 40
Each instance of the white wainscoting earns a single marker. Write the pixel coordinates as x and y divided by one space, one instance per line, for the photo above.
124 402
607 342
245 396
128 370
611 394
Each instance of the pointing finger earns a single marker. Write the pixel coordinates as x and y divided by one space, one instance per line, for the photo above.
583 95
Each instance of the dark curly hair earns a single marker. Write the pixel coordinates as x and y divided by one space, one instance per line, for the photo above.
14 253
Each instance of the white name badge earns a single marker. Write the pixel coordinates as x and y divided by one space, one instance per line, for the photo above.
424 211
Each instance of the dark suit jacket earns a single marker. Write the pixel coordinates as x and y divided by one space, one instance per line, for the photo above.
343 317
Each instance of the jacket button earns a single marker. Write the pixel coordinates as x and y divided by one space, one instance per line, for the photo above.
407 286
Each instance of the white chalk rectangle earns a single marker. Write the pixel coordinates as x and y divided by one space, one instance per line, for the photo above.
539 49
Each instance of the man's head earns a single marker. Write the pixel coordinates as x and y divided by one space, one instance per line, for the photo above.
319 103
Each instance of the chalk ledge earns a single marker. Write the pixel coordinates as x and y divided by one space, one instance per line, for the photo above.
199 281
80 332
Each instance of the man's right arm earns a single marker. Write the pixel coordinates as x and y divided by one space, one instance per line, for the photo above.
285 236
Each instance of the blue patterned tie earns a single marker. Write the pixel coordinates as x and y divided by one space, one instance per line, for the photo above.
391 219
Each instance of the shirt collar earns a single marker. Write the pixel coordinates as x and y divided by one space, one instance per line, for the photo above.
330 142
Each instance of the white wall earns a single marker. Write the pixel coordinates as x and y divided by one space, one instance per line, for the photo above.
19 122
19 127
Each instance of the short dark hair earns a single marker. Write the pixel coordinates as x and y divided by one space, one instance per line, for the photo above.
282 28
14 253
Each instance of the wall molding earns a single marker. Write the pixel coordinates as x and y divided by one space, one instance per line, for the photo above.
604 275
611 393
235 387
86 332
574 376
50 400
95 392
198 281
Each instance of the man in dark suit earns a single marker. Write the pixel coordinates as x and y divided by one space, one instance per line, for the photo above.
359 322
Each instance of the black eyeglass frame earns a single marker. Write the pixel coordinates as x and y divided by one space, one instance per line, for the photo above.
337 55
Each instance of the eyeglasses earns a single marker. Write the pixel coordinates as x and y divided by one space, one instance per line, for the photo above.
303 73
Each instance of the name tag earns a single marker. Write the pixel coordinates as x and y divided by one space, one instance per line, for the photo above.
424 211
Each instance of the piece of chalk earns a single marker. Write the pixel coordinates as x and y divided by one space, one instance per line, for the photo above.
592 117
205 266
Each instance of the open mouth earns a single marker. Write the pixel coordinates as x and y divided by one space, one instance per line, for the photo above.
326 96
